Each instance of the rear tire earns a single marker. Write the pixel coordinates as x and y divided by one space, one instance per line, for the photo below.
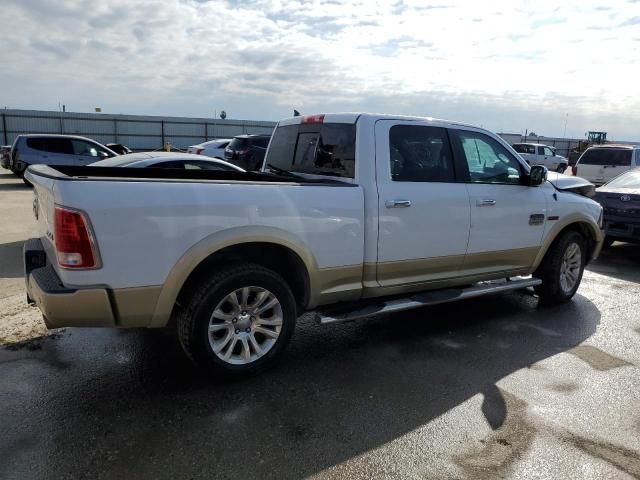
562 268
221 326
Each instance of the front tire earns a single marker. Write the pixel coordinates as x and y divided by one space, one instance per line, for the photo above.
562 268
238 321
561 168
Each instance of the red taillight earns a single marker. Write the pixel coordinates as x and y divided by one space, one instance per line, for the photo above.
74 243
574 170
313 118
199 151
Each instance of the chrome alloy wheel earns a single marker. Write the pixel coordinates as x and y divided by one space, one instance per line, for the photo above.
570 267
245 325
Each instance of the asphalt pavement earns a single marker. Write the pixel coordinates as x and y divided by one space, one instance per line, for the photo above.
495 387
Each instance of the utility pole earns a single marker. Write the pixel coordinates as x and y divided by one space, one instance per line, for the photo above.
566 119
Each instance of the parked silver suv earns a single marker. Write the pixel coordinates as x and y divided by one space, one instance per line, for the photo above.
55 150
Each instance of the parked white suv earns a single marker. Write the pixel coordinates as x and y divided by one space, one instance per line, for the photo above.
72 150
353 215
539 154
602 163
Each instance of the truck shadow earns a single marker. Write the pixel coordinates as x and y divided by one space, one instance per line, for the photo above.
132 404
621 261
11 261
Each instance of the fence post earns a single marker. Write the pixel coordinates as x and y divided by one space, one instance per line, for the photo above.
162 131
115 130
4 128
206 131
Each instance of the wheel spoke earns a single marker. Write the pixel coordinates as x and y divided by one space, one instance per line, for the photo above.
266 332
272 322
218 347
246 352
219 314
229 351
256 346
260 298
216 327
244 297
233 300
270 304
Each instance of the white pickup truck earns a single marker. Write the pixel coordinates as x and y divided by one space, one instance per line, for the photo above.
354 215
539 154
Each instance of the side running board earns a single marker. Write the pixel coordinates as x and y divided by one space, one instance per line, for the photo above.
435 297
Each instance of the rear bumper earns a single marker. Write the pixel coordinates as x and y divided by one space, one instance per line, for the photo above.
63 306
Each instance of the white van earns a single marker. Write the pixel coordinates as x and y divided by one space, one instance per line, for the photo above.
602 163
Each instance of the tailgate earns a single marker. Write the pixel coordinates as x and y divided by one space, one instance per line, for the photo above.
43 207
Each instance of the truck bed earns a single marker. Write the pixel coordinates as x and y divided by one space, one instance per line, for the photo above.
88 173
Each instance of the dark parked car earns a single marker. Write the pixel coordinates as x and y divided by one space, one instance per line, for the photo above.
620 199
247 151
119 148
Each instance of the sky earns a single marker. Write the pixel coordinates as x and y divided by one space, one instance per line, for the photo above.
508 65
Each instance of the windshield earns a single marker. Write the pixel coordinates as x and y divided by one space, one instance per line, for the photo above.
607 156
626 180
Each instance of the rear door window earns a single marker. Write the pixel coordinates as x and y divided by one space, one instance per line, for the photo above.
607 156
320 149
420 154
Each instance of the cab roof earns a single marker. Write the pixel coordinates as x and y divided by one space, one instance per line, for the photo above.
353 117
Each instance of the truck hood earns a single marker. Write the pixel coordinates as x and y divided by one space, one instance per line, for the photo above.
569 183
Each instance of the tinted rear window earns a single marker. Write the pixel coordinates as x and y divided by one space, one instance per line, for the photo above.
326 149
53 145
607 156
261 142
238 144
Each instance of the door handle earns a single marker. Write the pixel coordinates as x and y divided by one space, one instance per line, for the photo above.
486 202
397 203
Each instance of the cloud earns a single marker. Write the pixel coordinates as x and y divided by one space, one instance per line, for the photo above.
260 59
